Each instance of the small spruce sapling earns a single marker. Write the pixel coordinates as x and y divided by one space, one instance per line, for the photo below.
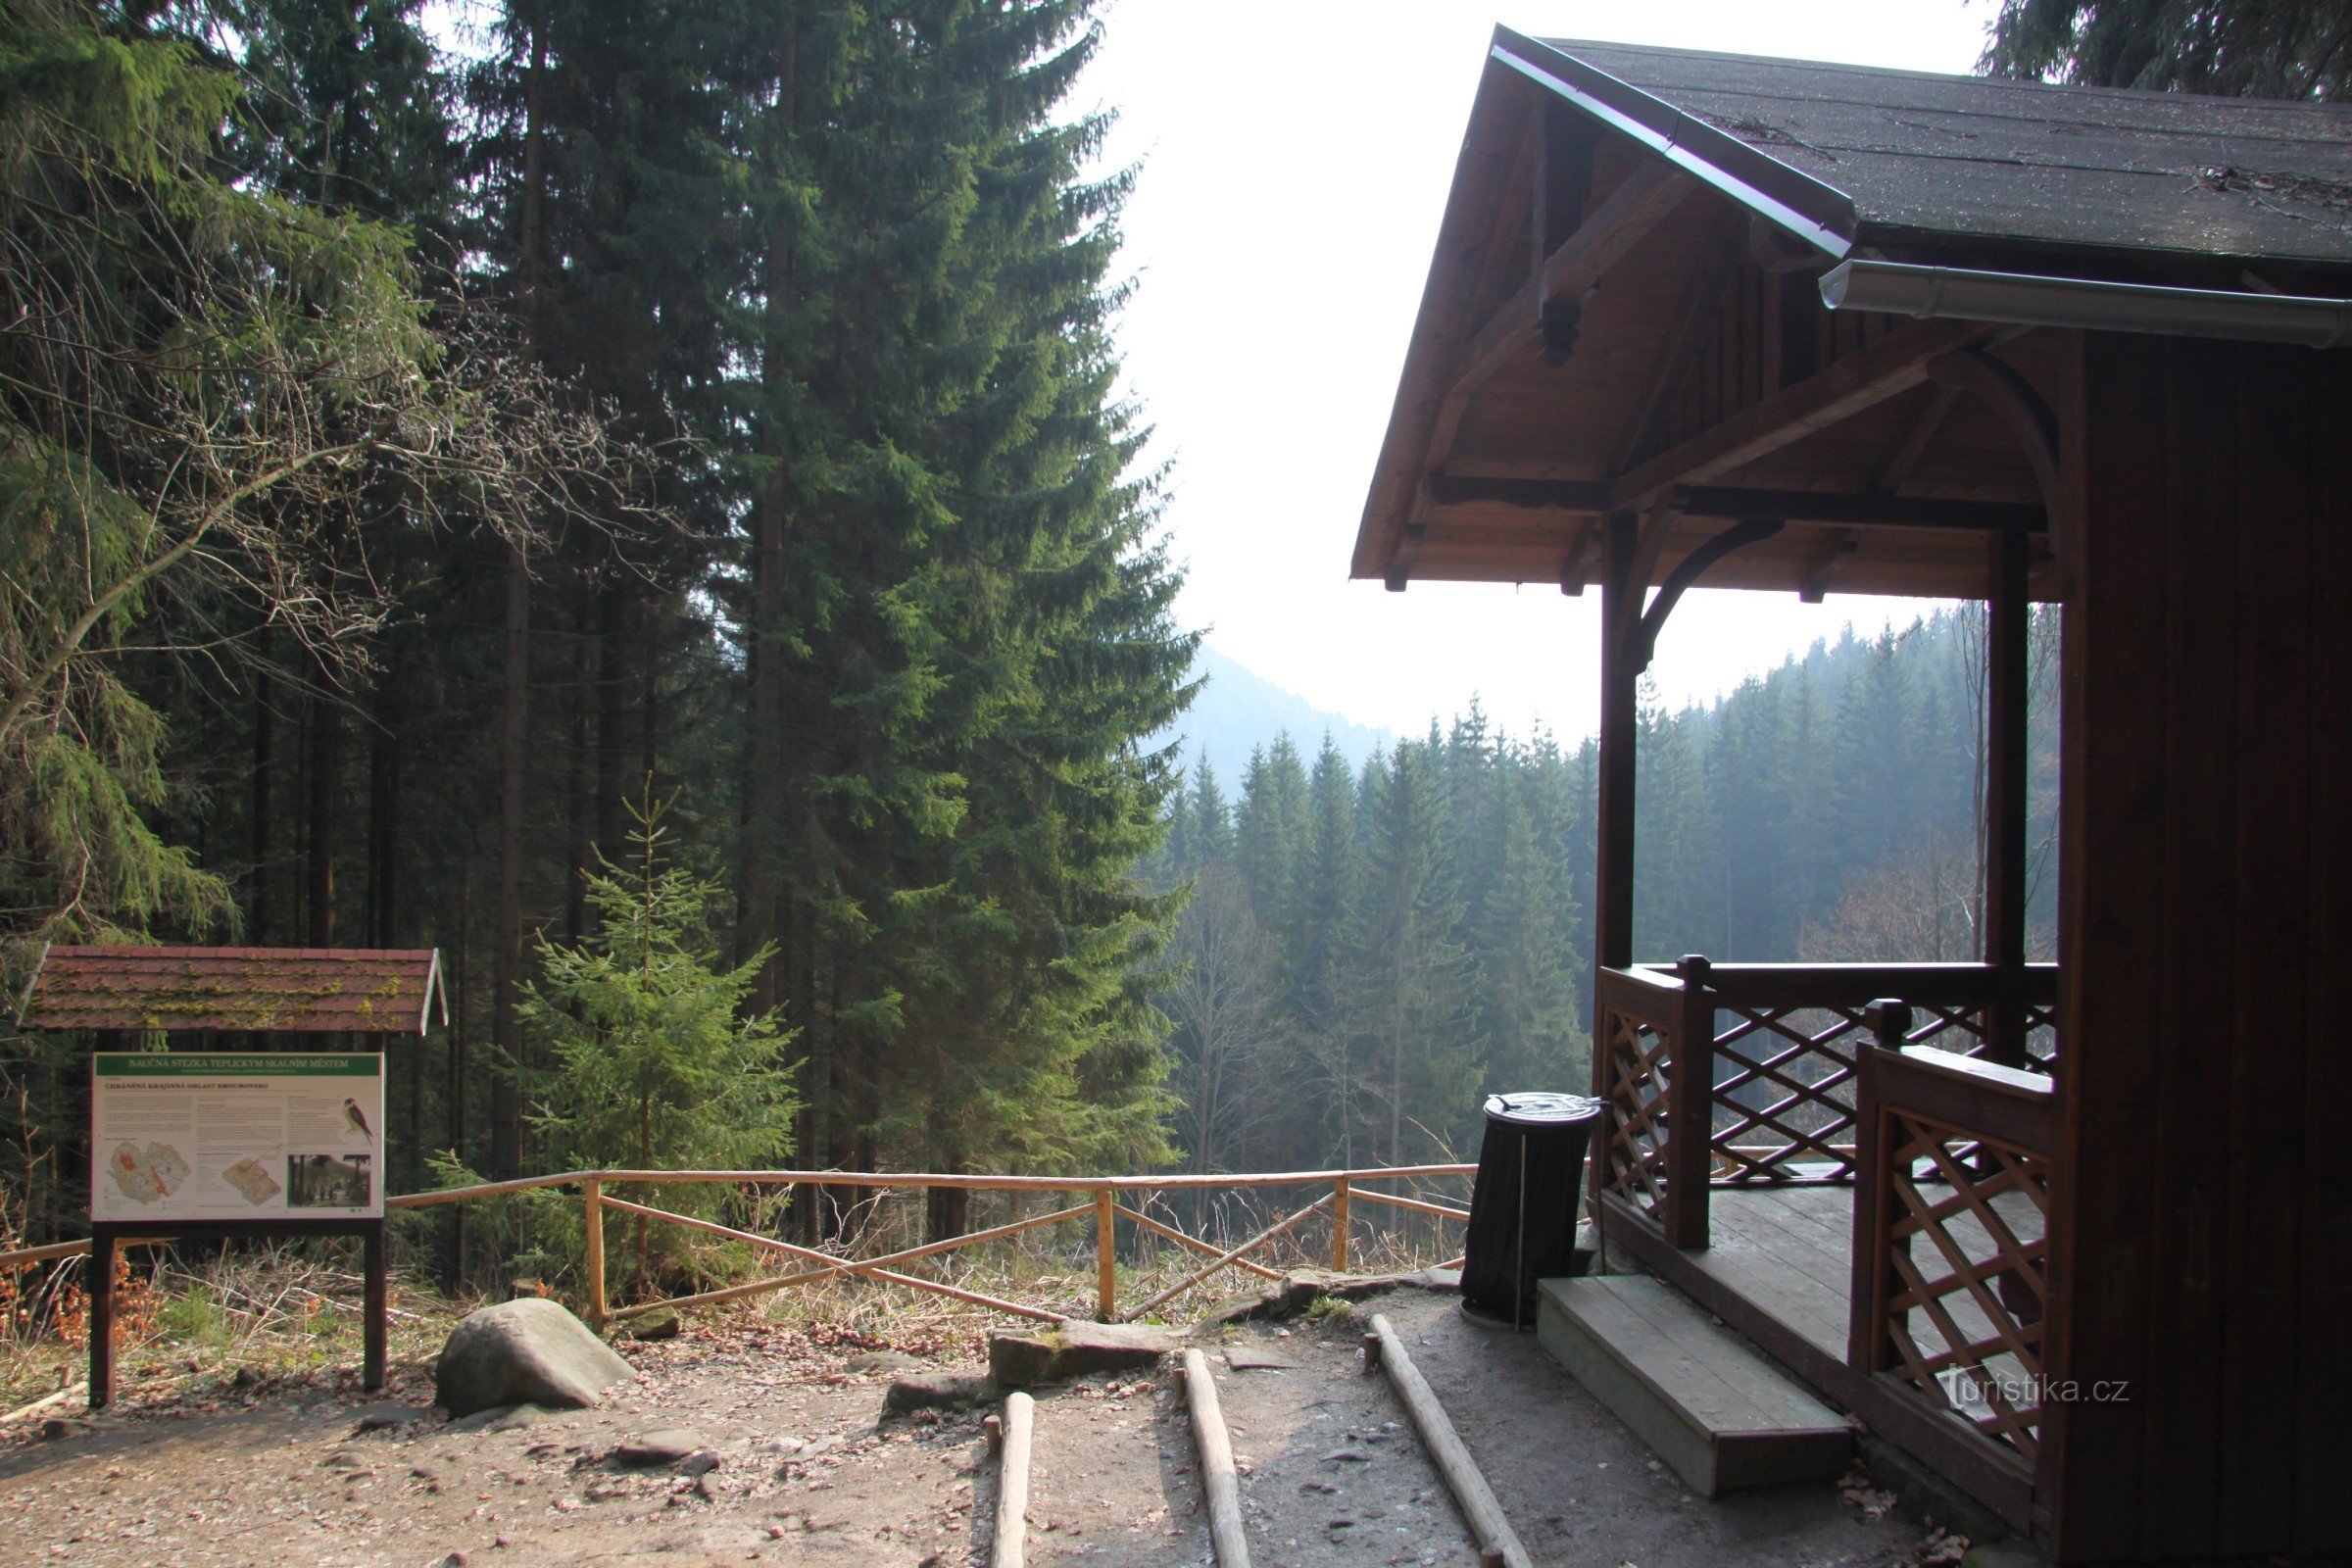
651 1064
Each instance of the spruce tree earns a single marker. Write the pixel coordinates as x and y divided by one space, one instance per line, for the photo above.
649 1062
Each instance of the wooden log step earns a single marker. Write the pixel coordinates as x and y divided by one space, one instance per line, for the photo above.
1719 1413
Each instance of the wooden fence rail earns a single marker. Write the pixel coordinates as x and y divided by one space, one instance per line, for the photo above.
1102 1195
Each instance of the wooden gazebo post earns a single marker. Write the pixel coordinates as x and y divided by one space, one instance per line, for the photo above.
2008 704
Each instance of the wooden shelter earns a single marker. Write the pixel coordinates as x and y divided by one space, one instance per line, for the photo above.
2076 1236
235 990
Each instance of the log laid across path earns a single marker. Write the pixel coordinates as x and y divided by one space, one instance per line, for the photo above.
1218 1479
1499 1545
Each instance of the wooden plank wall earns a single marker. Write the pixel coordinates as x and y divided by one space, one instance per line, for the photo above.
2205 1195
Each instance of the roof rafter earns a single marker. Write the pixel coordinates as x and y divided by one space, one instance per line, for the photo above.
1895 362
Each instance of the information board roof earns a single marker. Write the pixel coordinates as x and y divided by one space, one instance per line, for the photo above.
275 990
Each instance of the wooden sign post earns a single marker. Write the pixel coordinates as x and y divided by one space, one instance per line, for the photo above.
106 1242
187 1148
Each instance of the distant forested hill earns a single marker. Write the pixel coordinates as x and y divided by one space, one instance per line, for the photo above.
1239 710
1373 946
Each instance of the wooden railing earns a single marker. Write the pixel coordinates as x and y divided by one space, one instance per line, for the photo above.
1765 1056
1950 1261
1652 1062
1105 1204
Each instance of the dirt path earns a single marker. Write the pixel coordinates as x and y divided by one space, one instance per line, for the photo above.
809 1473
1112 1482
1583 1492
1332 1475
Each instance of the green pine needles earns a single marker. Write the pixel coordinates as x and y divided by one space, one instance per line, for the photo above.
651 1063
649 1059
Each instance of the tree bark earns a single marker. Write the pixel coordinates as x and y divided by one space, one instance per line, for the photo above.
325 781
383 814
765 796
613 648
264 724
505 1100
581 804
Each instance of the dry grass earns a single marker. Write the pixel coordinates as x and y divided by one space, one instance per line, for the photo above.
199 1323
189 1324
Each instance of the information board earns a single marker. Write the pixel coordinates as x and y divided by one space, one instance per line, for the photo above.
235 1138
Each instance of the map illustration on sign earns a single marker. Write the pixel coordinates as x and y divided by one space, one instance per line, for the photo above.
148 1175
206 1137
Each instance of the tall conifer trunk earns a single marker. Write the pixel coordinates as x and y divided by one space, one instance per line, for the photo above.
383 813
580 781
326 747
506 1101
612 651
263 728
766 795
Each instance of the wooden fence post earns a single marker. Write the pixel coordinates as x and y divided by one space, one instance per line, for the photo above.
1338 1225
592 1203
1106 1256
1866 1343
1690 1108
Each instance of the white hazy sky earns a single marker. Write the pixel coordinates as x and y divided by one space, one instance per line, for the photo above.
1295 159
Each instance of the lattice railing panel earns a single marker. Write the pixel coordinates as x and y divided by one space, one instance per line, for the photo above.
1636 1056
1785 1088
1968 1276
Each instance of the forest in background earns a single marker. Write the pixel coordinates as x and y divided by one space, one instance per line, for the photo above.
418 466
1368 953
817 530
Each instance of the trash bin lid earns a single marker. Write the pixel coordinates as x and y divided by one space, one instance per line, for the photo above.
1541 1107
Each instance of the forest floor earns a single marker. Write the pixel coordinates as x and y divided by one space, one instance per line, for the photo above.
280 1471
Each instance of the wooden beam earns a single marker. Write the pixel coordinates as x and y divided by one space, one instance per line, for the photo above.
1740 502
1639 204
2008 702
1686 571
1894 363
2020 408
1642 563
1582 555
1694 320
1408 548
1620 725
1640 200
1916 440
1549 494
1827 567
1482 182
1565 139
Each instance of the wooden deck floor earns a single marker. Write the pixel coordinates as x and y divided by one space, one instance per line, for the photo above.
1790 1251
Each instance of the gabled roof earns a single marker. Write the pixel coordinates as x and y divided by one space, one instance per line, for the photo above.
1855 156
284 990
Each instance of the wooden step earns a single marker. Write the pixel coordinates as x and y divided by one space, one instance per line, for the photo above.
1723 1416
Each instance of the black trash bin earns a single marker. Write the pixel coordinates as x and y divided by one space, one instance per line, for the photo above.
1530 1174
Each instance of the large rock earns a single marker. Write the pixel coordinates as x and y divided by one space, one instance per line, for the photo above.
525 1351
1072 1349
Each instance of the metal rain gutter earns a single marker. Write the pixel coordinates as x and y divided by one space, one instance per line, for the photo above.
1898 288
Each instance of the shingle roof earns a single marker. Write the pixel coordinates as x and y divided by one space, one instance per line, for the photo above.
318 990
1909 153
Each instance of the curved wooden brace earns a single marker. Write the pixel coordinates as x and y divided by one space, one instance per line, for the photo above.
1686 572
2020 408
